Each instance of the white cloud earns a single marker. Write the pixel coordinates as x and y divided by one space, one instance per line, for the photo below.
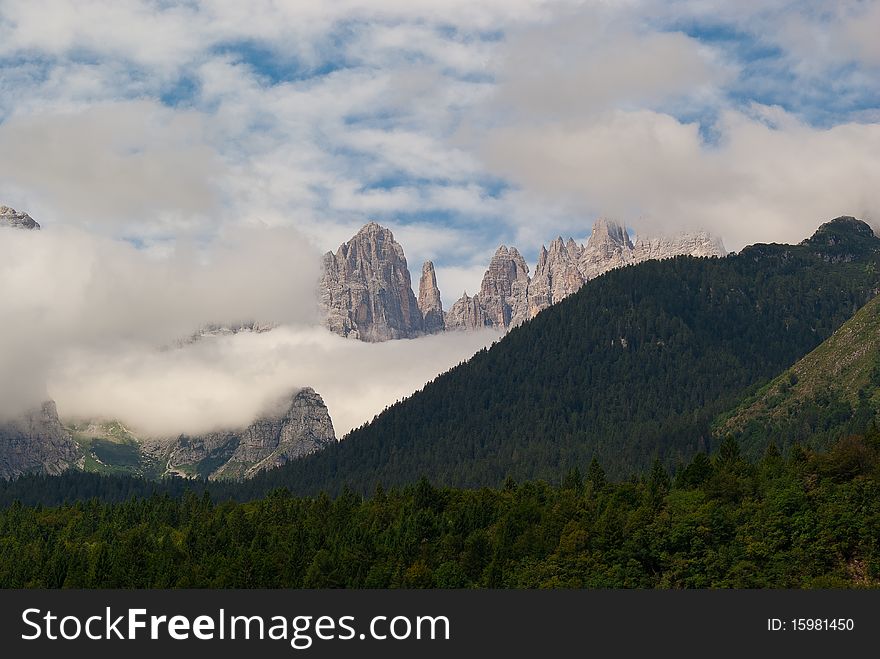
224 382
585 63
66 290
760 183
111 163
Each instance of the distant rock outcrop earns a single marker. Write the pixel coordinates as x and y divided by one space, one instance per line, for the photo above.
699 243
608 247
302 427
503 300
466 314
366 290
557 275
9 217
566 266
504 293
430 303
36 442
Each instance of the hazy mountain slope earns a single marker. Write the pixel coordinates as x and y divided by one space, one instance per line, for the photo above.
299 425
36 442
636 364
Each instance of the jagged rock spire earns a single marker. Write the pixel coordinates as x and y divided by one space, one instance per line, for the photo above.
366 289
9 217
430 303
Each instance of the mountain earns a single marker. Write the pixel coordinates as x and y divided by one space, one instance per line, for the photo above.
831 392
508 296
39 442
503 297
636 365
36 442
211 330
365 287
300 425
9 217
557 275
295 430
430 303
366 290
700 243
566 266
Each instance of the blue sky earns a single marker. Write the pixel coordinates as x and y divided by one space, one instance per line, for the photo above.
460 125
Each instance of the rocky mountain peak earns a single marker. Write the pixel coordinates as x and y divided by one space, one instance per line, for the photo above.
696 243
504 290
466 314
36 442
430 303
557 274
608 235
843 239
9 217
366 288
607 247
297 427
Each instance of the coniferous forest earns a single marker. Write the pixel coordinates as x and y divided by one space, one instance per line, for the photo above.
806 520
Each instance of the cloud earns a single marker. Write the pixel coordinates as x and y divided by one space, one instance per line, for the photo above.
224 382
66 290
85 319
763 181
111 163
583 63
459 124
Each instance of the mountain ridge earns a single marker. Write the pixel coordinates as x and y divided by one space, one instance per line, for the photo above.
635 365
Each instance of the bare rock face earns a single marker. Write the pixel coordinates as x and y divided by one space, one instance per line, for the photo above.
466 314
607 247
300 428
36 442
557 275
366 289
430 303
565 267
699 243
9 217
505 289
216 329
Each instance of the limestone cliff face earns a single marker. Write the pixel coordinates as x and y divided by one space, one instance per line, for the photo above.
699 243
9 217
565 267
467 314
430 303
557 275
504 291
503 300
36 442
607 247
366 289
301 427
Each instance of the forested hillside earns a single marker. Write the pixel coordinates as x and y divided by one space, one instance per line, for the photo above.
832 392
634 366
808 520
